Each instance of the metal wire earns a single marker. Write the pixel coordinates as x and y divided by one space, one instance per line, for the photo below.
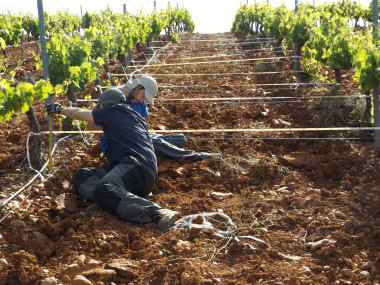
260 138
218 74
219 40
306 98
222 61
247 130
240 85
249 102
227 53
228 44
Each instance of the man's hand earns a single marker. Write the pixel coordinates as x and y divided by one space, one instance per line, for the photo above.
54 108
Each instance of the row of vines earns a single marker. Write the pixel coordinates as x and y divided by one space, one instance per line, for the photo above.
74 54
325 35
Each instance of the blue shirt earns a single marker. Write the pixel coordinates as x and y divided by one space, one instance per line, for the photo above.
138 107
127 134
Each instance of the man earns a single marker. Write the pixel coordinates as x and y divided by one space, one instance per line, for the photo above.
169 146
132 169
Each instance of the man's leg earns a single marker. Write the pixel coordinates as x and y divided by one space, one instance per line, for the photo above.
168 150
121 192
85 180
179 140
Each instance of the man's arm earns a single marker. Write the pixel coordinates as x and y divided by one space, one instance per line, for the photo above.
93 127
78 114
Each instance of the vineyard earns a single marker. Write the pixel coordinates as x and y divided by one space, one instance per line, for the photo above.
287 103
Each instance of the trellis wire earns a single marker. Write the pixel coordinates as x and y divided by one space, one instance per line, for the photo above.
222 55
261 138
219 40
236 90
306 99
363 158
229 44
250 102
183 75
251 130
221 61
232 85
226 53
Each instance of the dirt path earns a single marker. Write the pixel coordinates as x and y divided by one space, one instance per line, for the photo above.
313 202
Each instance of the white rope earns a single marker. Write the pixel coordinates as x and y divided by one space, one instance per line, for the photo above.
80 131
28 156
230 231
187 222
150 60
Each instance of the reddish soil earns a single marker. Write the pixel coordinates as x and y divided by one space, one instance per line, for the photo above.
314 202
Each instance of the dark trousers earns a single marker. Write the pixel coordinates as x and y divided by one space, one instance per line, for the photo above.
170 146
121 190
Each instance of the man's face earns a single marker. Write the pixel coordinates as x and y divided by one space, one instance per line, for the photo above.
137 95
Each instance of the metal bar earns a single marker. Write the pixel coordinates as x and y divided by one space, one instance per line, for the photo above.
218 61
41 23
212 74
264 130
376 90
45 65
305 100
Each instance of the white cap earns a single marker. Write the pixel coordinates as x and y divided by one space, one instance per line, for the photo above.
150 85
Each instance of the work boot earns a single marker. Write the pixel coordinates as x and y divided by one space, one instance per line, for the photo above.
94 207
164 218
209 156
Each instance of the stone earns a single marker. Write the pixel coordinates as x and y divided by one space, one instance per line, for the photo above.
67 202
49 281
18 223
3 261
66 185
81 280
217 176
318 244
81 259
33 218
220 195
347 272
74 270
184 277
39 235
365 275
100 274
357 188
367 266
339 214
283 190
305 270
164 166
65 279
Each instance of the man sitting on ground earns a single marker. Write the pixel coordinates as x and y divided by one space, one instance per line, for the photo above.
132 169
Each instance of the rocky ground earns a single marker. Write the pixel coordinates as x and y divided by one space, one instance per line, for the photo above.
287 207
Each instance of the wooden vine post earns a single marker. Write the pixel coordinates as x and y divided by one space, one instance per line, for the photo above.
376 90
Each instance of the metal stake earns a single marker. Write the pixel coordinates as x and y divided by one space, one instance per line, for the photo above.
375 9
45 67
